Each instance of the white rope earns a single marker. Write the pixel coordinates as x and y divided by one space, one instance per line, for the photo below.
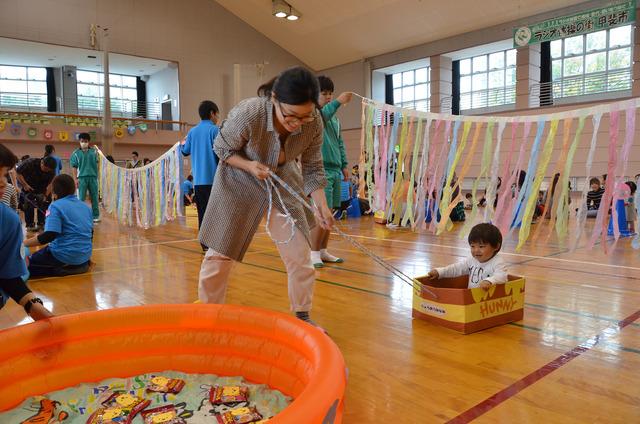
271 186
415 284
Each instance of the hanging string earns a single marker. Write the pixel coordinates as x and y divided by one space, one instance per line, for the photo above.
415 284
289 218
147 196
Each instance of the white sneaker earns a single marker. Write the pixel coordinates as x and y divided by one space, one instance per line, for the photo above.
96 220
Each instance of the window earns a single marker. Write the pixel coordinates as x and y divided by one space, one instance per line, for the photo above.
488 80
411 89
592 63
23 87
122 90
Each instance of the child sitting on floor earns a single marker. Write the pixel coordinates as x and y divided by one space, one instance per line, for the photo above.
12 265
484 267
68 231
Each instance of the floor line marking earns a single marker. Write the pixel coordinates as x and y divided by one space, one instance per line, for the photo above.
508 392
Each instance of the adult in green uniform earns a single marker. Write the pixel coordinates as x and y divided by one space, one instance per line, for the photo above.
85 162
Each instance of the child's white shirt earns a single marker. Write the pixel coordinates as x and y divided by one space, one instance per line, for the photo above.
494 270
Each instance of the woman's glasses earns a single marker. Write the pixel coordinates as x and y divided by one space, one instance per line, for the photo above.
292 119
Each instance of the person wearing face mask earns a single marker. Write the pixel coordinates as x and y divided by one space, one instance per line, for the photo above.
68 234
84 161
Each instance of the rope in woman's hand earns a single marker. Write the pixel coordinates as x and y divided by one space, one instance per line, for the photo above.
415 284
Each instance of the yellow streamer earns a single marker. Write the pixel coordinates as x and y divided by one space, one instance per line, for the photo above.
447 204
525 227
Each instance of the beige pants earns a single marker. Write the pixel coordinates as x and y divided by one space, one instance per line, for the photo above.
215 270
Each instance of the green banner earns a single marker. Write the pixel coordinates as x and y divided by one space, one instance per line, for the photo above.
582 23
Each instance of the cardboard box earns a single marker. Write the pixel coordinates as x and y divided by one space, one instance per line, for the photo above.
469 310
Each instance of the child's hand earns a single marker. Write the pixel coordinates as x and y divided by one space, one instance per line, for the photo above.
433 275
345 97
485 285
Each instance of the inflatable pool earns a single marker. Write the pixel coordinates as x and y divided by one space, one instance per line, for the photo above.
262 346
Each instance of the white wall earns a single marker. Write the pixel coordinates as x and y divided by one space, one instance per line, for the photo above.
164 83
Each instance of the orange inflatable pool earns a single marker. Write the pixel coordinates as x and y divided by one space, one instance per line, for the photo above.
262 346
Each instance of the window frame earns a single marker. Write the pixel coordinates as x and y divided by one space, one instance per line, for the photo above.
413 103
504 95
35 99
572 86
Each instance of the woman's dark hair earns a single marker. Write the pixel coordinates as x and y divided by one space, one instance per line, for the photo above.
594 180
63 185
48 149
294 86
190 178
486 233
632 186
7 158
205 109
325 83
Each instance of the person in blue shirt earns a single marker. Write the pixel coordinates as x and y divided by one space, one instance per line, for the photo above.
187 190
49 150
12 264
68 233
204 162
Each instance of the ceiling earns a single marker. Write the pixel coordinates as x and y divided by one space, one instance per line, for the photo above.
335 32
28 53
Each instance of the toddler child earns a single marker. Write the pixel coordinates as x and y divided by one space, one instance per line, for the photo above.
484 266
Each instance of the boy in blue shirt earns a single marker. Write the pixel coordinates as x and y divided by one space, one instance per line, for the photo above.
85 162
68 231
187 190
204 162
12 265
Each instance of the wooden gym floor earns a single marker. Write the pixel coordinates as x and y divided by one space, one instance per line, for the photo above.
575 358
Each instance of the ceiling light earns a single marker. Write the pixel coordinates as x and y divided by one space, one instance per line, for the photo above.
280 8
294 15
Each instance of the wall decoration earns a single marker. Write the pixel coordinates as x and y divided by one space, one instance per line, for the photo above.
48 134
16 129
63 135
32 132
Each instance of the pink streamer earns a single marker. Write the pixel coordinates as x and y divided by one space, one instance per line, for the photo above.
600 227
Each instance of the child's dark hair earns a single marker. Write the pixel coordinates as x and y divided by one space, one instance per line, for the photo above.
632 186
325 83
48 149
84 136
594 180
486 233
205 109
468 195
190 178
7 158
63 185
49 162
294 86
135 153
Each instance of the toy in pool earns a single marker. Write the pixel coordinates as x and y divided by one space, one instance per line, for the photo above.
469 310
262 346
